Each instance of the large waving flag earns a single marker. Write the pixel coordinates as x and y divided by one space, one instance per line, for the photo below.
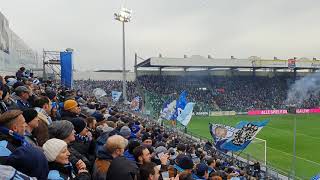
235 139
135 104
220 134
317 177
115 96
168 110
186 114
181 104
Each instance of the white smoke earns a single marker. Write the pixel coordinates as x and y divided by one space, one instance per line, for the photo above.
303 89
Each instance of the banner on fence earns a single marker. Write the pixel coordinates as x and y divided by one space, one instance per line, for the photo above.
267 112
308 111
222 113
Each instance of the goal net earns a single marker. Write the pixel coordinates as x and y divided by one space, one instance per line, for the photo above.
256 151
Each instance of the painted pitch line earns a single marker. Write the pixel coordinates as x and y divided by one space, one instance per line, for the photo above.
289 132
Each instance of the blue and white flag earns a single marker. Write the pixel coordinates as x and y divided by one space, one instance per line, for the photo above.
135 104
317 177
168 110
220 134
181 104
242 137
186 114
116 96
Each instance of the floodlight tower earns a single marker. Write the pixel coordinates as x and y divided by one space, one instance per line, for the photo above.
123 16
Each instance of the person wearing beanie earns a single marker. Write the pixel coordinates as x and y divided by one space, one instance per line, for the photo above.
99 117
30 161
57 154
64 130
202 171
146 140
125 132
32 120
80 126
71 109
183 163
83 140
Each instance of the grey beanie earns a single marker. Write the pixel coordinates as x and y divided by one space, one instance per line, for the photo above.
125 131
60 129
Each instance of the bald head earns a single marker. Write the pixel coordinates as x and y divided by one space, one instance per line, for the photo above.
115 145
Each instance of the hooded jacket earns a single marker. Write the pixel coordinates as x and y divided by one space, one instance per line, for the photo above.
102 164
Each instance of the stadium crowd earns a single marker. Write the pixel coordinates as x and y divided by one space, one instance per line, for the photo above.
51 132
216 93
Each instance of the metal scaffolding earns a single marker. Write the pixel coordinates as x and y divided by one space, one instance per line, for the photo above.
51 65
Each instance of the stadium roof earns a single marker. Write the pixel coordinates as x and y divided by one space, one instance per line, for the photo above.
210 63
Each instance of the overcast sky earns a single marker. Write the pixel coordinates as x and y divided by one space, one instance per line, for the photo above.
242 28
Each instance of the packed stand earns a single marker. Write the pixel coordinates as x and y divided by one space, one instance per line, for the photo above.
50 132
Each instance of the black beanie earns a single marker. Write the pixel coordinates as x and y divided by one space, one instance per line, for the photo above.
79 124
29 115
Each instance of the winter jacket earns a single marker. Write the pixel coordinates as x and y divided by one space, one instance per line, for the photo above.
101 165
122 168
86 149
129 156
65 172
8 144
75 156
67 115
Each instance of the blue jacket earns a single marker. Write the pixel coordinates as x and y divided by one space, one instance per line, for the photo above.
129 156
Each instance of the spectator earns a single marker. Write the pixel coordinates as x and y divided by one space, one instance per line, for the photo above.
125 132
43 105
57 154
141 155
41 133
64 130
131 146
202 171
113 148
83 140
129 170
146 140
12 129
30 161
22 97
149 171
71 110
32 120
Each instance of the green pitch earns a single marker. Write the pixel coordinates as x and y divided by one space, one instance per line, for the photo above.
279 136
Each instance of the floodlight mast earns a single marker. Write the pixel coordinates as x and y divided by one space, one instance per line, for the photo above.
123 16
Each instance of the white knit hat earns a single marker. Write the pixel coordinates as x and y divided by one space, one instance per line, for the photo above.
52 148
